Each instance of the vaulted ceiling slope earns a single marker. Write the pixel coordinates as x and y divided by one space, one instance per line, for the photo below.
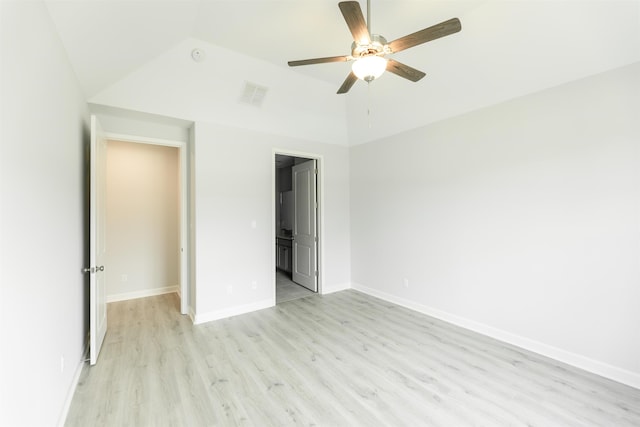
126 50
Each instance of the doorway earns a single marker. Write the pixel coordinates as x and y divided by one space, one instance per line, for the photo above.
296 228
146 218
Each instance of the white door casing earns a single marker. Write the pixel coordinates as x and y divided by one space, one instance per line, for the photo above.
97 282
305 230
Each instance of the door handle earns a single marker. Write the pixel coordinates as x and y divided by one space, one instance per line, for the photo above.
93 269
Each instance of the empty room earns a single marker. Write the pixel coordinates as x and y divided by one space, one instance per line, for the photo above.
361 213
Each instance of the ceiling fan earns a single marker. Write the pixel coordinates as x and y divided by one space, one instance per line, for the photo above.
369 50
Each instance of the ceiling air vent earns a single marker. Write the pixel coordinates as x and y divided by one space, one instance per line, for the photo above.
253 94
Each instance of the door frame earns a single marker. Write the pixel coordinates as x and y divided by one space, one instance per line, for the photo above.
320 217
184 203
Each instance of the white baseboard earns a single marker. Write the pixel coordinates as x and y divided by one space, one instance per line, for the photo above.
143 294
594 366
74 384
232 311
335 288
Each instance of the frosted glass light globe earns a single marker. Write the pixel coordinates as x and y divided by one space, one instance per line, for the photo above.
369 68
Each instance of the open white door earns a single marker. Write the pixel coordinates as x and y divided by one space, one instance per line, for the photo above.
305 230
97 282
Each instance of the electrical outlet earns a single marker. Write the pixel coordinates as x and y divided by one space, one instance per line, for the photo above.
406 282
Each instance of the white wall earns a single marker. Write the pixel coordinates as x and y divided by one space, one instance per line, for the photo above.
143 220
231 151
234 187
43 134
521 220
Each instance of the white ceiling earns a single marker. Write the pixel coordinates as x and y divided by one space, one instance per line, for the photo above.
506 48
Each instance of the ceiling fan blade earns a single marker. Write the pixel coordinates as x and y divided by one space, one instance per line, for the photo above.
404 71
355 21
348 82
319 60
434 32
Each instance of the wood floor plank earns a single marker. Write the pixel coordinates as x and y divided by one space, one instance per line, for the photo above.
345 359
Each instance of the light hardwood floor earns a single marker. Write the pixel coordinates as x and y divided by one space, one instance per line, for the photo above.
344 359
287 289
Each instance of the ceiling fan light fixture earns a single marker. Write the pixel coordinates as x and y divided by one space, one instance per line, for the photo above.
368 50
369 68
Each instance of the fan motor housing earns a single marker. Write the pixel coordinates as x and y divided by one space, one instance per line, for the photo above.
378 46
